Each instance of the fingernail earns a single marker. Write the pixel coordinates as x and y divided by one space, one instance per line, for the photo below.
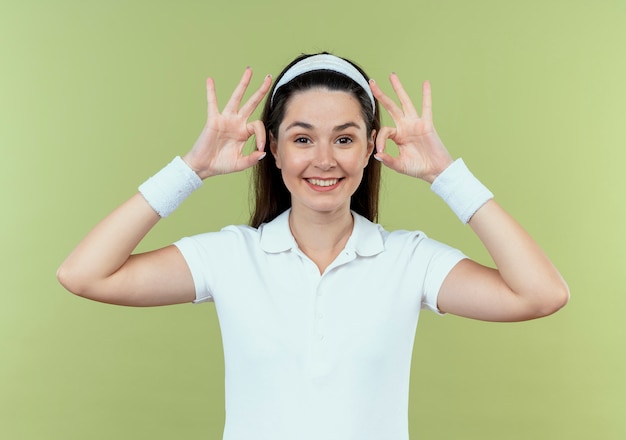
378 158
262 156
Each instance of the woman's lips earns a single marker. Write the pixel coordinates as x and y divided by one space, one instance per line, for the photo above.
323 184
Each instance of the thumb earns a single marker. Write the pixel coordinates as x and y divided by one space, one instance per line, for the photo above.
387 160
251 160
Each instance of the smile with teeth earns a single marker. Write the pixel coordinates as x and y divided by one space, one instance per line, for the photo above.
323 182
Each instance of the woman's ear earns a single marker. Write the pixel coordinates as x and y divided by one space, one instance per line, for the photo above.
274 150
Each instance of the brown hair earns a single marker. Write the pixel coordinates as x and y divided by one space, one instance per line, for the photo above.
271 196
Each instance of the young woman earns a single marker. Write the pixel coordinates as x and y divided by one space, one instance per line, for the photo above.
317 303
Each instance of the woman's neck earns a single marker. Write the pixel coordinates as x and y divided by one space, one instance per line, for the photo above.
321 236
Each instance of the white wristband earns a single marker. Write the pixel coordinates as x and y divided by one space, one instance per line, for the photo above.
463 192
169 187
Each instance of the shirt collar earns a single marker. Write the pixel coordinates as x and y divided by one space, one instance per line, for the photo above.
276 236
366 238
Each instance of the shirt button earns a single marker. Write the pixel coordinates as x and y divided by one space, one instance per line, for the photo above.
319 315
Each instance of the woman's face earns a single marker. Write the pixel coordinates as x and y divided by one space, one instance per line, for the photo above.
322 148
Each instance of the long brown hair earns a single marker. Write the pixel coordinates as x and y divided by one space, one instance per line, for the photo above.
271 197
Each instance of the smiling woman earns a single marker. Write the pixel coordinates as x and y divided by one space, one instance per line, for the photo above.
318 333
321 72
315 155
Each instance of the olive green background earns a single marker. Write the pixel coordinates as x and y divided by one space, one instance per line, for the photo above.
96 96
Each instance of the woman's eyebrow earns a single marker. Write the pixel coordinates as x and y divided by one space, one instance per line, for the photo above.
308 126
346 126
299 124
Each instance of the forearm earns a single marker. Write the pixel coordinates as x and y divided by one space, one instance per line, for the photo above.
94 268
524 285
521 263
108 246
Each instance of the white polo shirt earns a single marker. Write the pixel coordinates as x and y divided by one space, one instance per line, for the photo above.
310 356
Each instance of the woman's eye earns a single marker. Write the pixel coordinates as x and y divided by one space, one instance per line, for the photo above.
302 140
344 140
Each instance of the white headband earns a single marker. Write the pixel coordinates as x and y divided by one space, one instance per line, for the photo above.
325 62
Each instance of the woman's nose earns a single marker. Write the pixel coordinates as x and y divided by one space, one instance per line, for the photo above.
325 158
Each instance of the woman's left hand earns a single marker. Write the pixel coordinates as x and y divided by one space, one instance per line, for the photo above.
421 151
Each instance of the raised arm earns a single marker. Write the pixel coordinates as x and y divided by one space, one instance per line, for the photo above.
525 284
102 266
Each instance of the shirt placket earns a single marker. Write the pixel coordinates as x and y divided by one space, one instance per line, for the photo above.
321 337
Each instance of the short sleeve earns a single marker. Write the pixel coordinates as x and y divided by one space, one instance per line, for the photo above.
420 264
193 252
442 258
213 258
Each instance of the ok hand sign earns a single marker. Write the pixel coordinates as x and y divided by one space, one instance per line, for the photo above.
421 151
219 148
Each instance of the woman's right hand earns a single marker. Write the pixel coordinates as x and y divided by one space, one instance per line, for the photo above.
219 148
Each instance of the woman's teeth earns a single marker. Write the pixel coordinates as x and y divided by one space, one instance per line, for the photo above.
325 182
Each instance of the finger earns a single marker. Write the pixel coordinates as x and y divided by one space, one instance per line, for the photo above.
211 98
250 160
403 96
252 103
381 138
232 106
392 108
427 102
388 160
258 129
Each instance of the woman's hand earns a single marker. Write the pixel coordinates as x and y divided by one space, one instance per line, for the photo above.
421 151
219 148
